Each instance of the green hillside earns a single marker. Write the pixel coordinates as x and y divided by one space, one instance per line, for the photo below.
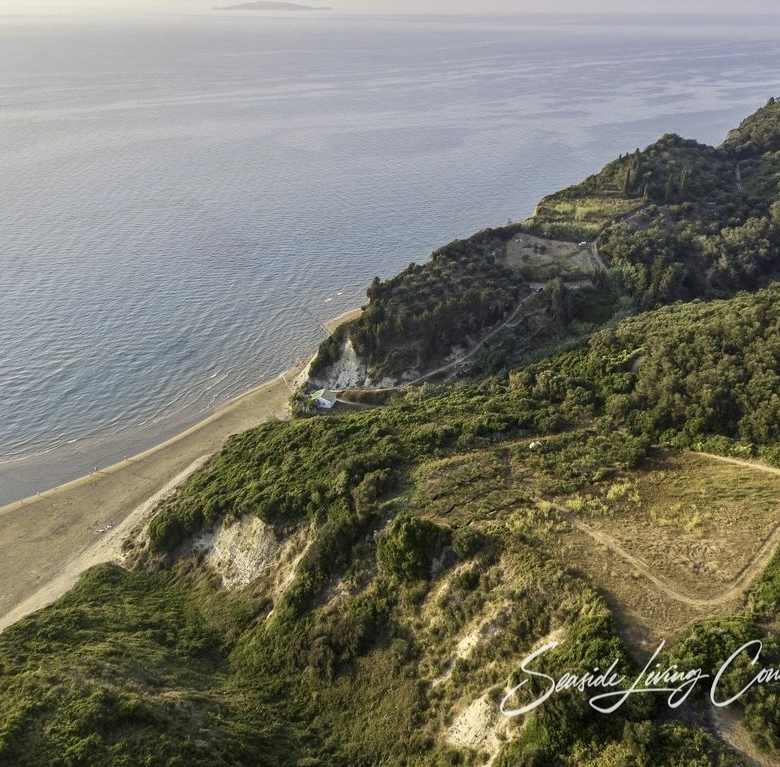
390 567
677 220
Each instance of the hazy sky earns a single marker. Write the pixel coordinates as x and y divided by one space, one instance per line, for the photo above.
405 6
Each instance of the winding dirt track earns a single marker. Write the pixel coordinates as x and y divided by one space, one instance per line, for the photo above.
753 568
471 352
750 572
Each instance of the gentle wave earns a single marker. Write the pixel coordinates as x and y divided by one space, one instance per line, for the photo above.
178 223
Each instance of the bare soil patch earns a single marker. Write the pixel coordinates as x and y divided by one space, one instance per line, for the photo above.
540 259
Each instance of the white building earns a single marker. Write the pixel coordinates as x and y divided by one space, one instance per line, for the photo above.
324 398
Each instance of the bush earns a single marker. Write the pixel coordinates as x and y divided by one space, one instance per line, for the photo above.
408 547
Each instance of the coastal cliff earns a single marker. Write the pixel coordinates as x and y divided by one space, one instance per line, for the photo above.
550 539
676 221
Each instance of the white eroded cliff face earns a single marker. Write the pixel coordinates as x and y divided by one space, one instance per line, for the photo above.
243 551
347 372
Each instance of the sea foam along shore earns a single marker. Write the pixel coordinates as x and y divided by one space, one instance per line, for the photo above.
47 541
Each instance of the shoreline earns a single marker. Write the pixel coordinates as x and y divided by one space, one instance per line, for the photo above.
49 539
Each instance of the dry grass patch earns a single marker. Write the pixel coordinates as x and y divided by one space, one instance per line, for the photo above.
694 523
645 614
590 213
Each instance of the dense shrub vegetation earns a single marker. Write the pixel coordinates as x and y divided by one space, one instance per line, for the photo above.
680 220
425 572
418 315
676 221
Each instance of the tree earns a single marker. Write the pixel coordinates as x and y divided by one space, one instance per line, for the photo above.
374 291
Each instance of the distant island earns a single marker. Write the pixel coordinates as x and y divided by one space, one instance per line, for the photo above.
261 5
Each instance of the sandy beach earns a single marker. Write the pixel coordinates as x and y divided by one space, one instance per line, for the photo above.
48 540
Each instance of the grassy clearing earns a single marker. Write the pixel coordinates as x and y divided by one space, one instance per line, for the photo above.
468 487
593 209
697 523
539 259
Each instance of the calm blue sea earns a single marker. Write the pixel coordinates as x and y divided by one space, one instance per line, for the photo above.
183 199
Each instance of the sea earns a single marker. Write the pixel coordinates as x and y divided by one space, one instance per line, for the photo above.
186 199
